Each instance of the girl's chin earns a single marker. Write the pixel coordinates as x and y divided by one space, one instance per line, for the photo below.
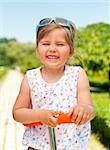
54 65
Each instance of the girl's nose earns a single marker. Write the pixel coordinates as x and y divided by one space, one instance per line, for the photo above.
52 48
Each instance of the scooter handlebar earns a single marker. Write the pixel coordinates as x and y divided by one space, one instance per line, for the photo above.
62 118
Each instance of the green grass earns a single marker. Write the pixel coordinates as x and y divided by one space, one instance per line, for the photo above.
3 72
102 104
101 123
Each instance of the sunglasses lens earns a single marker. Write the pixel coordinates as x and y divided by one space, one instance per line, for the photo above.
61 21
45 21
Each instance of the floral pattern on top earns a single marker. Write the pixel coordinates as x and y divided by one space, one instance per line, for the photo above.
58 96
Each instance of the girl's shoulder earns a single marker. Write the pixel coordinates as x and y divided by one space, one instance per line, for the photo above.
33 73
74 69
32 76
34 70
77 71
83 78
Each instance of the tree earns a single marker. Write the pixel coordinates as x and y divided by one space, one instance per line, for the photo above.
94 46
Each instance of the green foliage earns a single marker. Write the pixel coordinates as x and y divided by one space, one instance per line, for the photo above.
15 54
93 44
101 123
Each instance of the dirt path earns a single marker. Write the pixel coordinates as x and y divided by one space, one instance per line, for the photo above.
10 131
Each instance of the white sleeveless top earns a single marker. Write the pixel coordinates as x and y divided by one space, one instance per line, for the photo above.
58 96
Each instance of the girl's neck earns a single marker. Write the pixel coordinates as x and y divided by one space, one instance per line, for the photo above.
52 75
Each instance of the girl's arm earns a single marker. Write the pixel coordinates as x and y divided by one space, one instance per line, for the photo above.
23 114
85 110
21 111
83 92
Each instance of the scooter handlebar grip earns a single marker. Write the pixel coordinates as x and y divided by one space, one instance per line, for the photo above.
63 118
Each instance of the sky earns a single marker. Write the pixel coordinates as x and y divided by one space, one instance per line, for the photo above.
18 18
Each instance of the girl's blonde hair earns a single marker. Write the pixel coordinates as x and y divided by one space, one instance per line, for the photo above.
45 30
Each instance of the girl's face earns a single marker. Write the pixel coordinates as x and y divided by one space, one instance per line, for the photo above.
53 49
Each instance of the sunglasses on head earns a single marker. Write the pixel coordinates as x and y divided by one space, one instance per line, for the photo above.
59 21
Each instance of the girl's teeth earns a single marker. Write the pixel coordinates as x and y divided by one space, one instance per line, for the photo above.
52 57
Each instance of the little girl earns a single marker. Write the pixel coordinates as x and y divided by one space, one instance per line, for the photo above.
55 87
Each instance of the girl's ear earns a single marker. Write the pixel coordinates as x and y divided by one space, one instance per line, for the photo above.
71 53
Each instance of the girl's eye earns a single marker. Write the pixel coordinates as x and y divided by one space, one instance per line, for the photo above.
60 44
45 43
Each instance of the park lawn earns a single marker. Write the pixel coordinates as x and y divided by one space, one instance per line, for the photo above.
102 104
101 123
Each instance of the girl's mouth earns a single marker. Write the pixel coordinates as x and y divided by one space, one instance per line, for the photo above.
52 57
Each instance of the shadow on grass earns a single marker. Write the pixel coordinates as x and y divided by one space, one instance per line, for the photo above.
96 87
100 127
100 86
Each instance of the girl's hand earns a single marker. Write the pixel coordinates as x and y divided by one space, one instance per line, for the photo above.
48 117
81 114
